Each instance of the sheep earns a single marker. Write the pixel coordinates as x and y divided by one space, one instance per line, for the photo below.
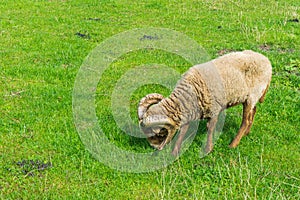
203 92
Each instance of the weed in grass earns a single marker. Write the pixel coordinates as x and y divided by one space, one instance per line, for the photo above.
29 167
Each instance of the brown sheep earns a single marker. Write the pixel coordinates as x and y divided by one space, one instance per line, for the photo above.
204 91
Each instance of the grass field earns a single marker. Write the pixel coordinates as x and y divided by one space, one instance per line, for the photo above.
42 46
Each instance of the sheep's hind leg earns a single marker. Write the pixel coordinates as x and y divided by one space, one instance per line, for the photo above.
248 116
251 119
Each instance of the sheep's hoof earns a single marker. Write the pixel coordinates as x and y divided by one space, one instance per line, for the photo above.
208 149
233 145
175 152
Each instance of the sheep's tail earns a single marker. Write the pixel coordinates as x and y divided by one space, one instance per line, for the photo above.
262 98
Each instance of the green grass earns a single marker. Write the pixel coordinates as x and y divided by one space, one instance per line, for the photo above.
41 55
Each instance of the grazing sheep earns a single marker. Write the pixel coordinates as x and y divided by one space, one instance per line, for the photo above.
203 92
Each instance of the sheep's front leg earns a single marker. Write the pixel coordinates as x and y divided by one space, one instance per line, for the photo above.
248 117
211 125
183 131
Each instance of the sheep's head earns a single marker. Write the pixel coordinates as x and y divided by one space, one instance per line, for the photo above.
158 128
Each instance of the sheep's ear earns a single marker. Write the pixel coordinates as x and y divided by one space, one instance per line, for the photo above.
146 102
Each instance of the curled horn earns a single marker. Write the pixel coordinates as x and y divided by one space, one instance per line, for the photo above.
156 120
146 102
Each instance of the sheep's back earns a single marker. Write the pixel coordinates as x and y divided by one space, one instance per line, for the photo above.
244 74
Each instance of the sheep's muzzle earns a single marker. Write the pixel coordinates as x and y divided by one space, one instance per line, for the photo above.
155 135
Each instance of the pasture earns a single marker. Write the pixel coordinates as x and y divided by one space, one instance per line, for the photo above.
43 44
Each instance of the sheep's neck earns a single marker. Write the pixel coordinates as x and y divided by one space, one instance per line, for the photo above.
180 109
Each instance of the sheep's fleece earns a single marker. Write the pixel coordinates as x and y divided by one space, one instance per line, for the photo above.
202 93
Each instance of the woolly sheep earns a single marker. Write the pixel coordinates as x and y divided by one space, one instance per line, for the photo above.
203 92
